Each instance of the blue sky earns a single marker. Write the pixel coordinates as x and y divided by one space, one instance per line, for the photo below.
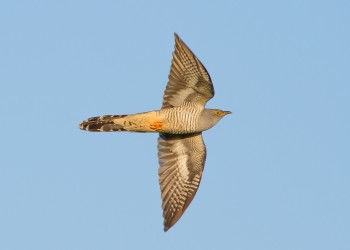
277 173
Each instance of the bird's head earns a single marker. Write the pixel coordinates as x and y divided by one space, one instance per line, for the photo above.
210 117
220 113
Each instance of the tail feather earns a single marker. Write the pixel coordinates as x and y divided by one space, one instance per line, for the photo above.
102 124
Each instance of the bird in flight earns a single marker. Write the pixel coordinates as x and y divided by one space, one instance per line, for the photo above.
179 122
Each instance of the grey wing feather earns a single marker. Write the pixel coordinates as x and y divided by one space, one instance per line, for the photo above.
189 81
181 159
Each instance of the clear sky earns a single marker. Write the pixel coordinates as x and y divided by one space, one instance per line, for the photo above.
277 175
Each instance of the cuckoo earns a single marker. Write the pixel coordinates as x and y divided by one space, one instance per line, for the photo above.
180 123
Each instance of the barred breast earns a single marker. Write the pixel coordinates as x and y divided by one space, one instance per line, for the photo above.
180 120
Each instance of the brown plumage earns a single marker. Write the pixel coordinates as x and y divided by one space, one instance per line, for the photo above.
180 122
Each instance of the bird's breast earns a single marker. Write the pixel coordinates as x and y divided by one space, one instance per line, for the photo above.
180 120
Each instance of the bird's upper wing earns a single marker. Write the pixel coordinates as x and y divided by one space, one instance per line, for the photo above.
181 159
189 81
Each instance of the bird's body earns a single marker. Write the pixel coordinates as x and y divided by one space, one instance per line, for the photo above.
180 122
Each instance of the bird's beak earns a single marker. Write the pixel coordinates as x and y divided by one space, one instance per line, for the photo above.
227 112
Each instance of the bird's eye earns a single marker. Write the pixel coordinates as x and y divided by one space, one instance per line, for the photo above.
217 112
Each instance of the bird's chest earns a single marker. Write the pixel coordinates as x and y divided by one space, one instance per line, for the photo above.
180 120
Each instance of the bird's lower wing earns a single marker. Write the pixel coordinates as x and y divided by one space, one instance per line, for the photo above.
181 159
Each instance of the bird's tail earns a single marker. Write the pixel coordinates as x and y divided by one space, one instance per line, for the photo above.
104 123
